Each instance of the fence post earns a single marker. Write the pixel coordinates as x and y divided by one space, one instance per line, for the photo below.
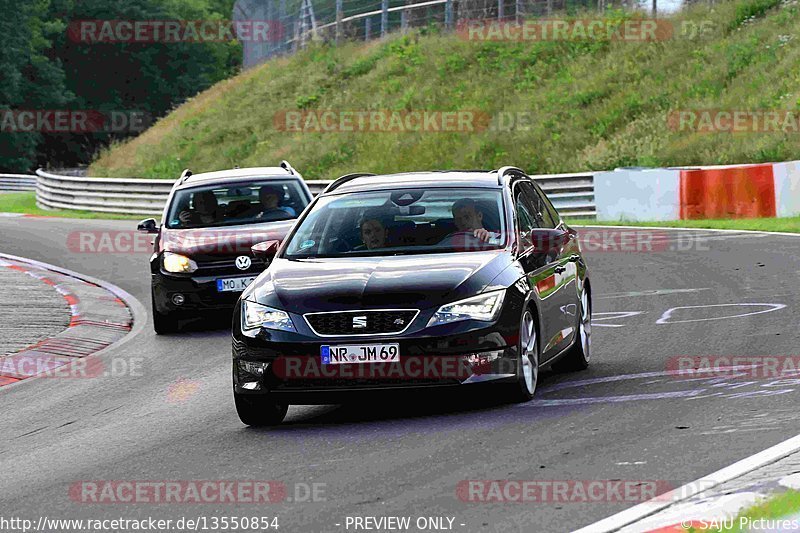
448 14
339 17
282 26
518 14
384 17
367 28
404 20
500 10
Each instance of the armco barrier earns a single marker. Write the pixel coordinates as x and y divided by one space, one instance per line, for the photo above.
572 194
103 195
17 182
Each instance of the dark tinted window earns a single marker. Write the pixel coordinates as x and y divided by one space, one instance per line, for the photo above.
543 217
526 220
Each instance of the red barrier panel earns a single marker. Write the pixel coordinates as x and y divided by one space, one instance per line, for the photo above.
736 192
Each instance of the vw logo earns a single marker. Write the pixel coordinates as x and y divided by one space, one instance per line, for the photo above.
243 262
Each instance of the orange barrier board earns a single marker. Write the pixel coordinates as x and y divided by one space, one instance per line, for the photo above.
737 192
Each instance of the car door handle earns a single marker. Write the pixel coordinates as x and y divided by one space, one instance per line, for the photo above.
560 269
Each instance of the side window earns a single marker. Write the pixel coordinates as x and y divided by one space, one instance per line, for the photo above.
526 221
541 212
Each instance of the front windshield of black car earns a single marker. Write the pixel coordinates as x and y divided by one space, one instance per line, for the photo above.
246 202
401 221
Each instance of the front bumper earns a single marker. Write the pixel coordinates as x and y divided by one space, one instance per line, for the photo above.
431 360
199 292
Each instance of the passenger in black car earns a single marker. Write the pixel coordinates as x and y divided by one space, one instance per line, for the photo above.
373 232
206 210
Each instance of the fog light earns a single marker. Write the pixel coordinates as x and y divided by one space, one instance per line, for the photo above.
178 299
251 373
254 368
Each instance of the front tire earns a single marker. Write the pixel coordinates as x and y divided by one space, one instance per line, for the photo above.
577 358
259 410
527 360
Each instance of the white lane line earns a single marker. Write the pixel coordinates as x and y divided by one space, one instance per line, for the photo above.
665 318
651 292
786 234
614 315
659 503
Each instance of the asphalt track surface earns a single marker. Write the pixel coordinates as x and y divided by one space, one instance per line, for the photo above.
174 418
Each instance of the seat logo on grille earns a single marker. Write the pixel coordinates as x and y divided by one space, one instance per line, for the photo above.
359 322
243 262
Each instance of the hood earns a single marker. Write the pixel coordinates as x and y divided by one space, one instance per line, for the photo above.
405 281
223 241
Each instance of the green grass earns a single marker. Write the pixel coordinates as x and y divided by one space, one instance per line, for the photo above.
786 225
773 508
592 105
25 202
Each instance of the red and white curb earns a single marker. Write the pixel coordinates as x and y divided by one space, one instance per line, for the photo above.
689 505
102 315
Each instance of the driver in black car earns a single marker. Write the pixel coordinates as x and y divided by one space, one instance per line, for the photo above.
270 197
468 218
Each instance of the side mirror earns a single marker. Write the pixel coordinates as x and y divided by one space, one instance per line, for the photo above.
266 250
148 226
546 239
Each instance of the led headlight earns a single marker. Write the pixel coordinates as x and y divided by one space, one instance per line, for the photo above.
260 316
483 307
178 263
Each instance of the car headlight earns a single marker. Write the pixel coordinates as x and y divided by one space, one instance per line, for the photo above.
178 263
483 307
260 316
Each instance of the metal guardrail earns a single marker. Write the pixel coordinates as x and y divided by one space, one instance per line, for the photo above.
17 182
572 194
102 195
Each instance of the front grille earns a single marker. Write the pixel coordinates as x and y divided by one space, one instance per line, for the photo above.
361 322
227 265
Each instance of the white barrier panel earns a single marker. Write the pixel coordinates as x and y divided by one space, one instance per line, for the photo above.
787 188
638 194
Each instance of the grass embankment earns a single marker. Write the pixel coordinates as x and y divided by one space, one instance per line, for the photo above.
590 105
785 225
25 202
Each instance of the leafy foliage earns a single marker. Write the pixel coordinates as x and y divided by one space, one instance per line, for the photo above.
43 66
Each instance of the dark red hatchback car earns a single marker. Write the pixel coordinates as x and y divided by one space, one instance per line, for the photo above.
202 258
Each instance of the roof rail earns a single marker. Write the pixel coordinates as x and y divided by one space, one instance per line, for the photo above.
185 175
287 167
501 174
344 179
